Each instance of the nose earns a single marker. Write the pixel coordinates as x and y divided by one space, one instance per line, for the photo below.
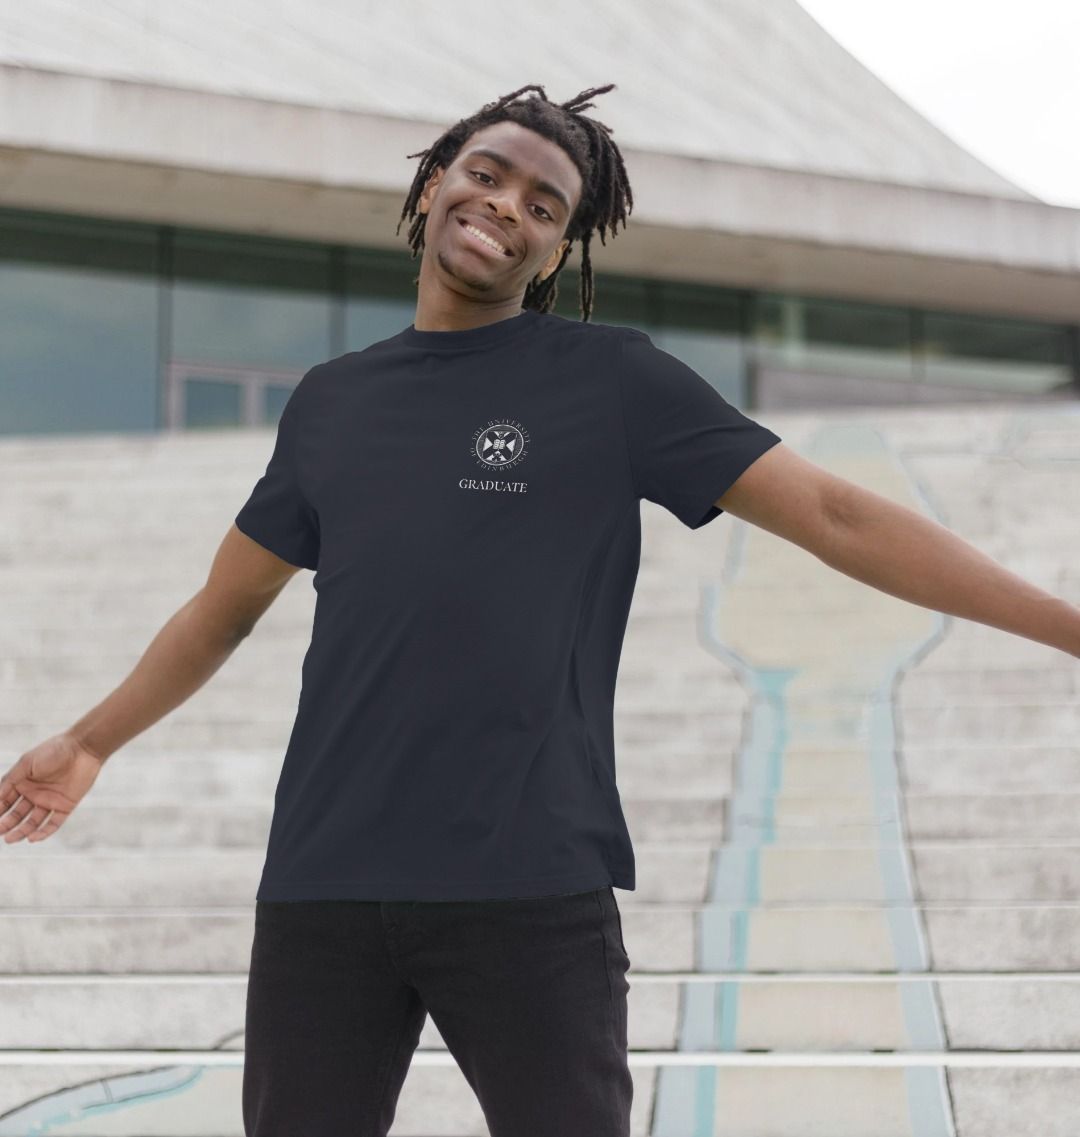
503 205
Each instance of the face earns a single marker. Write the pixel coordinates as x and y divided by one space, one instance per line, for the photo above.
525 209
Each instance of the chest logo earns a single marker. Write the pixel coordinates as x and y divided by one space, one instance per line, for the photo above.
500 445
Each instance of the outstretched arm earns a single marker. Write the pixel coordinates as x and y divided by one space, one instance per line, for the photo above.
894 549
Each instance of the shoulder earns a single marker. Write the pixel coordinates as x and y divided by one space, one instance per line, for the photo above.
594 331
601 344
320 375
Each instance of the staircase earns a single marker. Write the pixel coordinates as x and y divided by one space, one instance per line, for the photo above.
857 821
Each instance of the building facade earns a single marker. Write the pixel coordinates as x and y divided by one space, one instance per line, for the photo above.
179 242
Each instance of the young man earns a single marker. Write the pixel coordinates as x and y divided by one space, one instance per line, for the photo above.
447 829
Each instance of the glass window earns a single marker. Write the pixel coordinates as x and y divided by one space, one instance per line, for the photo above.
82 346
696 323
996 353
702 327
247 313
78 325
380 296
625 300
834 337
212 403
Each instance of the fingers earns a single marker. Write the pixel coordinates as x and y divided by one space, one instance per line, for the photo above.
8 793
15 826
48 827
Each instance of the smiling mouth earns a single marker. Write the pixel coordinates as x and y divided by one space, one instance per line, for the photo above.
483 242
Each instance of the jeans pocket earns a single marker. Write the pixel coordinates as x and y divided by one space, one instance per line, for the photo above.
618 917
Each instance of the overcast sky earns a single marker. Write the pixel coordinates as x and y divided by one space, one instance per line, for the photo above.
999 76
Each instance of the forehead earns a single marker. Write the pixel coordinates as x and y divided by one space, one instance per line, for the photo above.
532 154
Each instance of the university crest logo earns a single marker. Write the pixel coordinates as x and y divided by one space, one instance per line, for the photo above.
500 445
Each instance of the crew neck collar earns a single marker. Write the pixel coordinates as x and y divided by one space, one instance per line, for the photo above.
471 337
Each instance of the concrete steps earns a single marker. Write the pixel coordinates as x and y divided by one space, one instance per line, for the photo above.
64 872
148 1010
836 820
661 937
134 1096
857 822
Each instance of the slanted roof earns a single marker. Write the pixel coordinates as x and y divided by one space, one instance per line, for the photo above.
751 81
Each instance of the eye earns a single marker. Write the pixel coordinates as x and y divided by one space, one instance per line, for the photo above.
482 174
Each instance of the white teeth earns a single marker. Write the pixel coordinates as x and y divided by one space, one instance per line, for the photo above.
484 237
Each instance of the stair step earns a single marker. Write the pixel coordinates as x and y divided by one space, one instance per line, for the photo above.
193 1094
863 938
668 1013
60 874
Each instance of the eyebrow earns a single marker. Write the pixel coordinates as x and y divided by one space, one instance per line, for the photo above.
509 167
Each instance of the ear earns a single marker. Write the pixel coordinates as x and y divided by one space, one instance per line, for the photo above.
553 261
427 195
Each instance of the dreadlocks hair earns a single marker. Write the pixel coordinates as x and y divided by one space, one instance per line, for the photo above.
606 198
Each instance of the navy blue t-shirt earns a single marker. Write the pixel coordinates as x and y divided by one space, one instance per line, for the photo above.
470 503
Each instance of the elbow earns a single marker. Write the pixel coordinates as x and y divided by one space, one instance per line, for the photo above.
838 512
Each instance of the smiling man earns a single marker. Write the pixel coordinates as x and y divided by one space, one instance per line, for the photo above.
447 829
486 244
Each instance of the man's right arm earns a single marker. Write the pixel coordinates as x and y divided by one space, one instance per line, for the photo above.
244 580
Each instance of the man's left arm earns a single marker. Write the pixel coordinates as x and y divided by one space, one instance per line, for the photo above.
894 549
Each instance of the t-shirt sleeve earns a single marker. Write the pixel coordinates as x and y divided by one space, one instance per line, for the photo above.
276 514
687 444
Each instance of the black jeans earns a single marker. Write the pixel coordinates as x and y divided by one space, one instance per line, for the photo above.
528 994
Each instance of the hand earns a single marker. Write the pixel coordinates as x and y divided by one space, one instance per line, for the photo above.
54 776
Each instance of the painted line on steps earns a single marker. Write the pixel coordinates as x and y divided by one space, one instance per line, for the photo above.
987 1059
234 977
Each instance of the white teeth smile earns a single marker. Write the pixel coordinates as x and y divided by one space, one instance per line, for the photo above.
485 238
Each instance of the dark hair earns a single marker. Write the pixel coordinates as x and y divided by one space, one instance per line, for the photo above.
605 190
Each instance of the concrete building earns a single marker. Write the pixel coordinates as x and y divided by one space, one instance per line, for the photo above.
197 203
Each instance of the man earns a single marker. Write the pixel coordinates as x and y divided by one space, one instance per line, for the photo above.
447 830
